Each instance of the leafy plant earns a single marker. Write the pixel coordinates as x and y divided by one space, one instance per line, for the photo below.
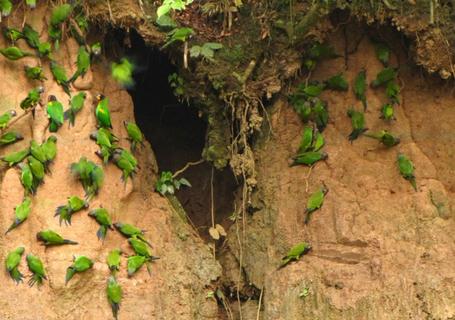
206 51
169 5
177 84
167 184
178 34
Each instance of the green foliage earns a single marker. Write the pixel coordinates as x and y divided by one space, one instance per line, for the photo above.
206 51
177 84
169 5
178 34
167 184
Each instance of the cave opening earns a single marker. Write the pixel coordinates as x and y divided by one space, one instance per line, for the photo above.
177 135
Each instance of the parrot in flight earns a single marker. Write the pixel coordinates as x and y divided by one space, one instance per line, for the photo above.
90 175
74 204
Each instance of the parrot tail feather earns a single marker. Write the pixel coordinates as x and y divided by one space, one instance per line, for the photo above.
66 241
101 233
69 275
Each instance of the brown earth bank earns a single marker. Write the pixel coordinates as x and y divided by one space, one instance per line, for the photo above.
380 250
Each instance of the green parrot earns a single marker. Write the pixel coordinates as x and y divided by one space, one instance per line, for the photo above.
308 158
82 63
311 90
104 138
315 202
95 49
122 72
32 99
54 111
360 88
383 53
407 170
35 73
126 162
303 108
60 76
103 218
37 151
49 149
135 263
44 49
55 34
102 113
15 157
384 76
35 265
321 115
128 230
90 175
321 51
37 169
13 259
114 295
60 14
386 138
141 248
337 82
358 124
79 33
21 213
392 91
31 36
14 53
295 253
134 134
80 264
6 118
31 3
6 6
307 139
10 137
76 105
387 112
27 178
65 212
12 34
113 260
52 238
318 141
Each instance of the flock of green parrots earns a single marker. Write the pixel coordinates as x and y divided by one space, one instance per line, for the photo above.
313 110
35 161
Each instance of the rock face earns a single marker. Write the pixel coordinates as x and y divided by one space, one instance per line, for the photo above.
380 249
180 280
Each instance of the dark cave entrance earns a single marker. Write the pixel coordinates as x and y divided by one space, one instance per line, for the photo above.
177 135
